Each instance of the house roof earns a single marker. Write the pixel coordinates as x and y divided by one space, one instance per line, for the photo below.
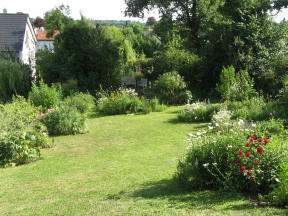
41 35
12 31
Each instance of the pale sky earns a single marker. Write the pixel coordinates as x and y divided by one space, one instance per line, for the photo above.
94 9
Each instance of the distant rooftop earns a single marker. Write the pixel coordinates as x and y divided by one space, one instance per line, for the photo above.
41 35
12 30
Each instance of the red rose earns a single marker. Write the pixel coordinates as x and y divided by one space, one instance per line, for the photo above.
266 140
241 153
249 173
260 140
260 150
251 140
248 154
243 168
253 137
237 161
248 144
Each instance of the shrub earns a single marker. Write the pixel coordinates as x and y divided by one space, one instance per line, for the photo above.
279 195
45 96
21 133
170 88
64 120
254 109
198 112
123 101
221 121
156 106
229 160
235 86
14 79
81 101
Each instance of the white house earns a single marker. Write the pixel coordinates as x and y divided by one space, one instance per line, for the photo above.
45 42
18 36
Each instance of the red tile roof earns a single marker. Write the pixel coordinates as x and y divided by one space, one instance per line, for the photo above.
41 35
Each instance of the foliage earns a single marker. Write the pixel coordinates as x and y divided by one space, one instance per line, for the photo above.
142 40
256 109
235 86
174 59
198 112
86 53
64 120
57 19
151 21
82 102
21 133
279 195
221 33
156 106
171 88
45 96
223 160
39 22
14 79
123 101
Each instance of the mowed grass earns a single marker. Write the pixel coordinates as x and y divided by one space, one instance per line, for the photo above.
123 166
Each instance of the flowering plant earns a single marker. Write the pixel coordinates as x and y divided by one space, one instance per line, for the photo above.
258 162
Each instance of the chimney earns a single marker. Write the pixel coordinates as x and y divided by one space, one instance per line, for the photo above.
5 11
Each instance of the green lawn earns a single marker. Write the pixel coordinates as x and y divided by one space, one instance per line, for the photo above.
123 166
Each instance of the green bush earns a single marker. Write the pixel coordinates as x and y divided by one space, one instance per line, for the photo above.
14 79
198 112
231 161
64 120
21 133
123 101
279 195
255 109
45 96
156 106
235 86
81 101
171 88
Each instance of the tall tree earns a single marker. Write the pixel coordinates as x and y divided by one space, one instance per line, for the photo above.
57 19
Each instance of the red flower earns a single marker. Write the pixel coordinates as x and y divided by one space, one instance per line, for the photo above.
260 140
241 153
253 137
260 150
243 168
255 162
249 173
266 140
237 161
248 154
248 144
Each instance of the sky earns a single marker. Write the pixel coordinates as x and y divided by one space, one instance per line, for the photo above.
93 9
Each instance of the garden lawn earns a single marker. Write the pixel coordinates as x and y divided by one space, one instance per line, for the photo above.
123 166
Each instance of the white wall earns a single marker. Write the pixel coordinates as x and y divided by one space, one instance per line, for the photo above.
28 54
41 45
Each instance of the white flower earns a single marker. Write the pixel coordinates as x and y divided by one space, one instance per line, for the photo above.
206 165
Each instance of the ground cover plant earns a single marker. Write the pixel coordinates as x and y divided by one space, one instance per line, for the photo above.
21 134
198 112
235 155
83 102
127 173
122 101
44 96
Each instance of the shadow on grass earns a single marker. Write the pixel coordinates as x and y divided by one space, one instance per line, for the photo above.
180 197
